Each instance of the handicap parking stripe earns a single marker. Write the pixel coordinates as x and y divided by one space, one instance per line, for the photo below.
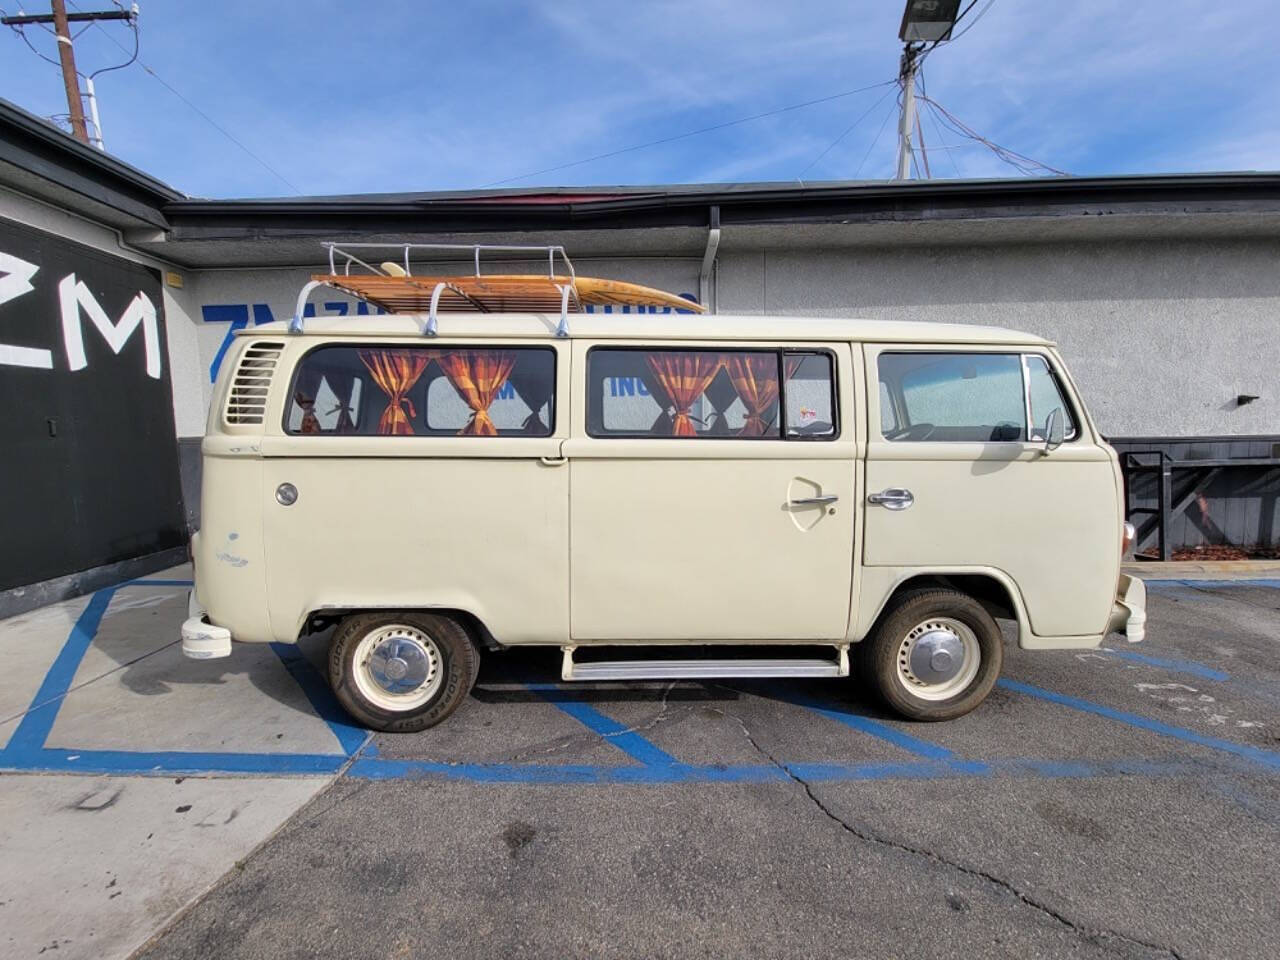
34 728
169 762
875 728
611 731
1210 584
1189 667
1266 758
350 737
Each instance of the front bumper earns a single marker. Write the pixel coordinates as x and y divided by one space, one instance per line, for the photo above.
201 640
1129 612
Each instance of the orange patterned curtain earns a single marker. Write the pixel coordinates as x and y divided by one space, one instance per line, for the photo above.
308 389
755 377
684 377
478 375
395 372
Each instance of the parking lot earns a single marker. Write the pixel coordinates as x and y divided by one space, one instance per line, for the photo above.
1123 802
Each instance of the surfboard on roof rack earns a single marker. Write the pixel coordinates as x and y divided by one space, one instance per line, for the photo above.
392 286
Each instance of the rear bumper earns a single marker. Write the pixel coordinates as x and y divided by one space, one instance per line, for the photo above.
201 640
1129 612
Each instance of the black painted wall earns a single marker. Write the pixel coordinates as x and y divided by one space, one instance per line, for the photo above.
88 457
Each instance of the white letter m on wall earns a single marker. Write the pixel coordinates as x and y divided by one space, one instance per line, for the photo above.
141 311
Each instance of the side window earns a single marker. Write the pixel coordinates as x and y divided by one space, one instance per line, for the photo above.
408 391
888 419
810 393
1045 395
967 397
734 394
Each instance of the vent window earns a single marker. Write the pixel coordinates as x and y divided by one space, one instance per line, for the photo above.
247 401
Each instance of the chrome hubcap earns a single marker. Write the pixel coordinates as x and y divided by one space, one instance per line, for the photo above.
938 658
398 667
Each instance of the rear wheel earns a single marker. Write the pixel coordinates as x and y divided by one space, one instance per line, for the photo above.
935 656
401 672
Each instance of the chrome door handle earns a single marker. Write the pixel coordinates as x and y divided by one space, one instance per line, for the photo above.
815 501
895 498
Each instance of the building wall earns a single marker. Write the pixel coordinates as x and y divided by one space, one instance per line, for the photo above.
91 478
1160 336
183 350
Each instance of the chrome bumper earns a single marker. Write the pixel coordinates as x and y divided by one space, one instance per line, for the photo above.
1129 612
201 640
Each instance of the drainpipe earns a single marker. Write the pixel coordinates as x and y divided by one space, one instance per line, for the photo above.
706 286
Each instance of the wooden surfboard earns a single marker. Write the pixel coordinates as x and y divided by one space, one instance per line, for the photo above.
501 293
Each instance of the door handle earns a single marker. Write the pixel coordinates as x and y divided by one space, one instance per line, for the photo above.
553 461
815 501
895 498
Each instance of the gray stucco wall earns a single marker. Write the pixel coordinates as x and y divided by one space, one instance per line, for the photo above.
1161 336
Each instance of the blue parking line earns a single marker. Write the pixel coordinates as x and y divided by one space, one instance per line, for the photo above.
1177 666
34 728
550 774
366 767
350 737
875 728
376 769
168 762
1266 758
608 729
1191 582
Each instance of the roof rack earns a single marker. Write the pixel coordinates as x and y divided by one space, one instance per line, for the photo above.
393 287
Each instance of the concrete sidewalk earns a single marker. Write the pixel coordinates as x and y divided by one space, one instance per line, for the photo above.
1204 569
113 816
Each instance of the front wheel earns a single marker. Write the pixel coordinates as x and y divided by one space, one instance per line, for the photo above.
401 672
935 656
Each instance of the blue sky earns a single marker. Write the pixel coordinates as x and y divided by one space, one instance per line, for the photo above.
343 97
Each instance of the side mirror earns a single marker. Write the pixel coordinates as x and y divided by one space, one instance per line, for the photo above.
1054 430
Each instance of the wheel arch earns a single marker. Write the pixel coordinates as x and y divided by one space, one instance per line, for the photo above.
325 617
992 588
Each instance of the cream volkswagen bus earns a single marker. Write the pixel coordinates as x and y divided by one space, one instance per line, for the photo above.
434 486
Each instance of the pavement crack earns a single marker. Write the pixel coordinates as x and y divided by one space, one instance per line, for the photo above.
657 719
1096 937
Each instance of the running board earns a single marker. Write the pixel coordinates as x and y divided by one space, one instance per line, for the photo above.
741 667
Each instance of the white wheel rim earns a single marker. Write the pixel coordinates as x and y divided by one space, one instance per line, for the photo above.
938 658
397 667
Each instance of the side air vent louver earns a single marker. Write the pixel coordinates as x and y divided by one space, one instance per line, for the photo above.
247 401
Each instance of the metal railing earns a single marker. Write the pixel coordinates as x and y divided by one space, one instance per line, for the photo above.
342 253
404 250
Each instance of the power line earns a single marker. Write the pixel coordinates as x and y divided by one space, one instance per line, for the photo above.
1021 162
974 22
879 132
208 119
133 23
952 36
924 90
691 133
848 130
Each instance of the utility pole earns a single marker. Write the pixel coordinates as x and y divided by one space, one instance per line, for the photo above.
67 56
923 22
61 21
907 121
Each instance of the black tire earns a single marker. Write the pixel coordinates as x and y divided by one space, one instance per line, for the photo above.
880 652
459 662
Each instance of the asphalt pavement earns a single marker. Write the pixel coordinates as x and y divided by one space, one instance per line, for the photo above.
1118 803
